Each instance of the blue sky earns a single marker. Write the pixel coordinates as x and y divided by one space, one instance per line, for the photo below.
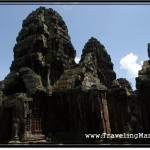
124 30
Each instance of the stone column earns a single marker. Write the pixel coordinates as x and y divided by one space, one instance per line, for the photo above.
15 136
105 112
27 121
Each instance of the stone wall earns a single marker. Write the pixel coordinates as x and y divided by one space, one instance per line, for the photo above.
73 113
143 86
123 108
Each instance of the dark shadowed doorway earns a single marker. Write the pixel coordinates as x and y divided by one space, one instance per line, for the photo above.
7 124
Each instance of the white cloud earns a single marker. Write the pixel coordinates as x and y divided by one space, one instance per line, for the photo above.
77 59
141 62
129 63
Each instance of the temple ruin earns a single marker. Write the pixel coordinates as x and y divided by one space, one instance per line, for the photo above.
48 98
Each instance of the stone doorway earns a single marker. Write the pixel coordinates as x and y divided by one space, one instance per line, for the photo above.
7 124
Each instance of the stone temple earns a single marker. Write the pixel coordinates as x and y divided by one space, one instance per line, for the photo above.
48 98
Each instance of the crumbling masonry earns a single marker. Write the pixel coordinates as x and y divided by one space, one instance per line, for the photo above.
48 98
